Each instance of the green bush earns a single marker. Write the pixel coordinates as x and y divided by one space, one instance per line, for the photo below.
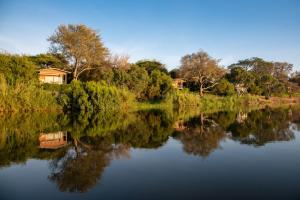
19 86
224 88
159 85
93 97
183 98
138 80
25 97
254 89
17 69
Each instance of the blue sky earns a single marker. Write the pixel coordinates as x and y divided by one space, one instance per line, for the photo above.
162 29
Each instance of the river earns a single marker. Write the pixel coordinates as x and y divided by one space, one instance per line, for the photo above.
155 154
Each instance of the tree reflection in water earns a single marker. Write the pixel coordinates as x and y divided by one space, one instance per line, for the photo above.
95 140
263 126
82 166
201 136
84 163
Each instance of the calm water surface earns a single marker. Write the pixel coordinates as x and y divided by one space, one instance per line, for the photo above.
152 155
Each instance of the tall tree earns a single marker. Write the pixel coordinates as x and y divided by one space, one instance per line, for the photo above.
202 68
282 70
151 65
256 65
80 45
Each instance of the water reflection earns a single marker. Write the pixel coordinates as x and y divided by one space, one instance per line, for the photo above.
83 164
200 135
264 126
53 140
79 148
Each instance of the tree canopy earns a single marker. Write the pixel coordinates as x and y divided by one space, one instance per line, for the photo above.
151 65
49 60
202 68
17 69
80 45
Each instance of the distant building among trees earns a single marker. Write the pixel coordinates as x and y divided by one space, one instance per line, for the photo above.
53 75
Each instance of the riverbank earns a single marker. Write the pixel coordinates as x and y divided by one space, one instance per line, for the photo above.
212 103
92 97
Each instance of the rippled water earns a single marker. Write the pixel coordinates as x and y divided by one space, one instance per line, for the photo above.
158 154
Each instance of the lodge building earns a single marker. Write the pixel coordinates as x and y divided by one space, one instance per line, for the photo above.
53 75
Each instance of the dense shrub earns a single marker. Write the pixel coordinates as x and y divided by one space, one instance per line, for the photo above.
138 81
159 85
214 103
19 86
93 96
183 98
224 88
254 89
25 97
16 69
146 82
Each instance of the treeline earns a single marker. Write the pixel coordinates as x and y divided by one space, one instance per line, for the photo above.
103 81
99 81
146 79
107 88
254 76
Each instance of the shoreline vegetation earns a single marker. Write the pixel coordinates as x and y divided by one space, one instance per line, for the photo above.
106 83
212 103
79 97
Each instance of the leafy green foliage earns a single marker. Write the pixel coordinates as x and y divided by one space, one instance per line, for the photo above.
201 68
261 77
224 88
159 85
93 97
183 98
138 81
80 45
120 78
17 69
239 75
19 85
49 60
151 65
20 97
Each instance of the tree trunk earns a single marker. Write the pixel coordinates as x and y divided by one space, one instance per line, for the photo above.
75 70
201 90
201 86
75 74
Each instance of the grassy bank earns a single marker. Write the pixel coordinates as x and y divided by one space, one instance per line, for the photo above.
184 100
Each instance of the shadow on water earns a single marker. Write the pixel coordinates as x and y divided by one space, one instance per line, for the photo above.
80 147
